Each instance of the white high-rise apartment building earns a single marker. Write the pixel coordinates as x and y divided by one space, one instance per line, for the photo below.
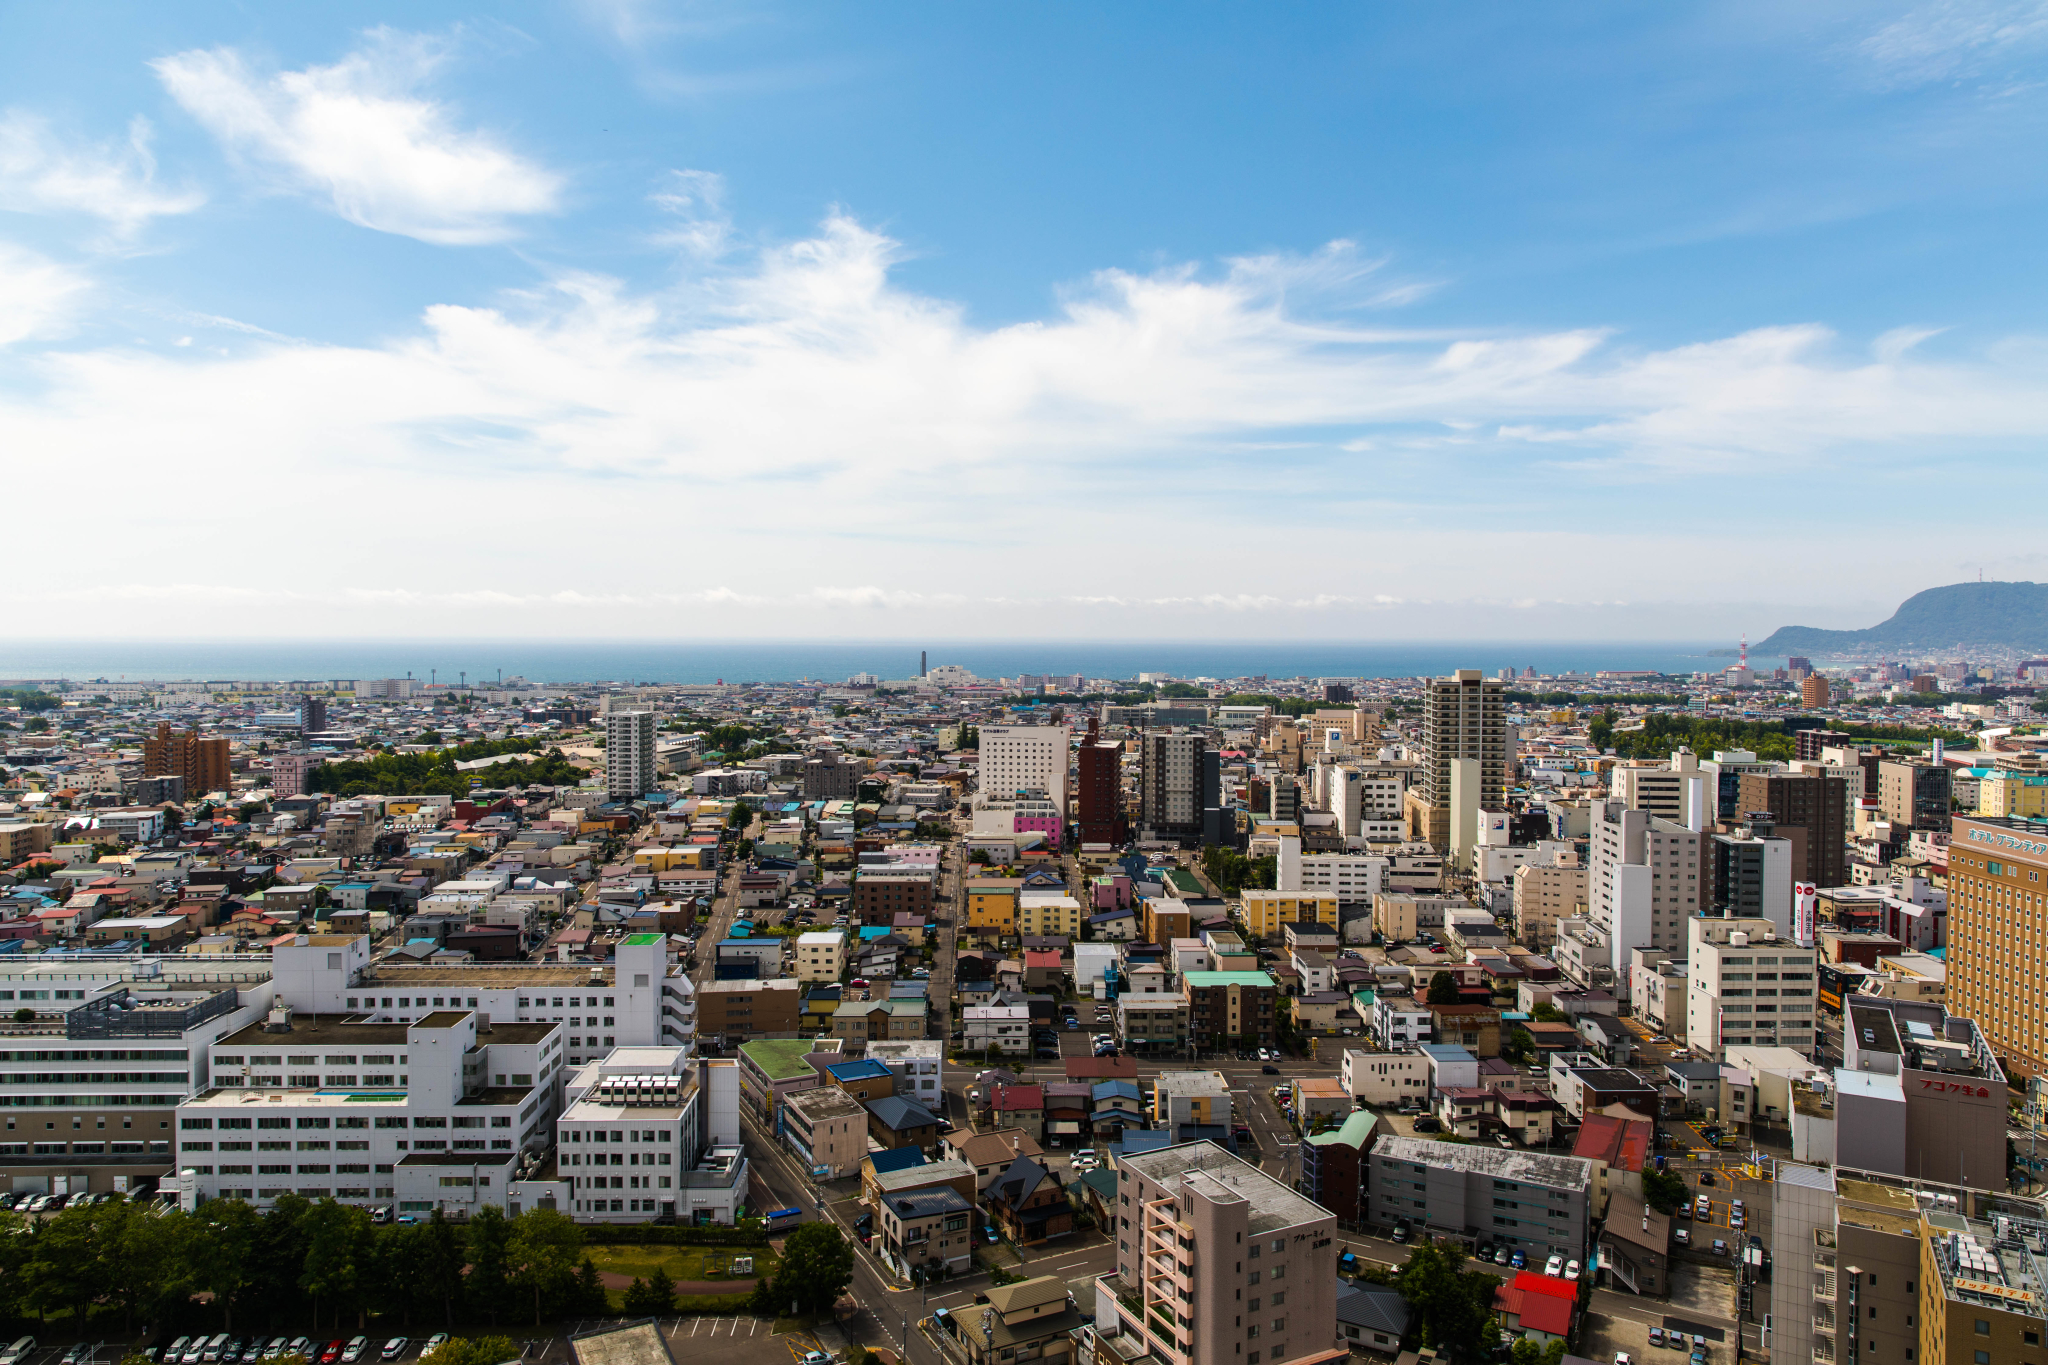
1019 758
1679 791
1644 880
628 754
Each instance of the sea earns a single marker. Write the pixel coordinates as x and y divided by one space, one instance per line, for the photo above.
482 662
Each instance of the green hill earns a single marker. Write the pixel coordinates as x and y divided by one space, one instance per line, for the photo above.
1962 615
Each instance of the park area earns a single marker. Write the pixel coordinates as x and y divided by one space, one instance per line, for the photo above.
692 1269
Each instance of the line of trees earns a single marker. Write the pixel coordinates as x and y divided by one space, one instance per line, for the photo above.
434 774
260 1270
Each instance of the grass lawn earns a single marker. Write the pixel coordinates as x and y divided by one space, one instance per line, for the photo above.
681 1263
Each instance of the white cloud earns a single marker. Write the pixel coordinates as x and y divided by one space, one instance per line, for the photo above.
869 453
1954 40
361 135
36 295
696 200
41 172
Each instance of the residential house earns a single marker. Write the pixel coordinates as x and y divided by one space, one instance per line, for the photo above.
1027 1323
895 1121
1029 1203
990 1153
927 1233
1019 1106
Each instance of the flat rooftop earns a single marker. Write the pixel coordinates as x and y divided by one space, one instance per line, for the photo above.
405 974
1531 1168
1273 1205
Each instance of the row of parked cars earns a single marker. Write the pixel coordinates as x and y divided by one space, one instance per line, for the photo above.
29 1202
224 1349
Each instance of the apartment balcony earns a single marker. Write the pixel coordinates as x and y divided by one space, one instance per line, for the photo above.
1823 1351
1824 1317
1824 1287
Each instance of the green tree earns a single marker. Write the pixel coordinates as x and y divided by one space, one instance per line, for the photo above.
816 1267
440 1265
1664 1191
652 1297
145 1263
339 1258
473 1351
1454 1305
1443 989
591 1301
1601 729
1520 1047
542 1253
1547 1013
488 1283
63 1270
222 1252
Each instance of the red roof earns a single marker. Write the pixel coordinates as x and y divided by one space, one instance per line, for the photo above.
1102 1068
1019 1097
1042 957
1623 1144
1533 1282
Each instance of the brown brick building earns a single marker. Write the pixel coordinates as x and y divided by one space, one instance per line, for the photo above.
1227 1006
737 1011
203 763
881 894
1810 812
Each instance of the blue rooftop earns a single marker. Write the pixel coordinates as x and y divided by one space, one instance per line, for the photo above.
859 1071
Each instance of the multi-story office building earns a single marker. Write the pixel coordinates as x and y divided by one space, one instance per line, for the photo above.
1998 934
827 1129
327 1107
1364 794
652 1132
1644 880
1529 1200
821 955
920 1068
1725 772
1230 1007
1352 878
1025 758
1099 792
735 1011
1813 690
1918 1094
880 894
1914 794
642 1000
1218 1263
312 714
202 762
1677 790
1152 1024
1808 811
1546 893
1905 1270
628 754
833 777
1268 913
91 1081
1751 878
1179 778
1746 984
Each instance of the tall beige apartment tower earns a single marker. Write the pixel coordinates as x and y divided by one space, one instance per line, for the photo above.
1463 717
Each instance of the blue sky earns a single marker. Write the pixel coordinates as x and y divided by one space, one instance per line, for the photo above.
1142 320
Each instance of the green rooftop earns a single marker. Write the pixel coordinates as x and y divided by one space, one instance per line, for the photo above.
1227 979
1185 882
642 940
780 1059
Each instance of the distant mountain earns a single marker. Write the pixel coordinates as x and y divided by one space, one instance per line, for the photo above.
1967 615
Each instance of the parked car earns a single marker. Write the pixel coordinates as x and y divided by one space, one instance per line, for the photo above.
1400 1232
1520 1259
1656 1336
1571 1270
1426 1124
393 1348
1553 1265
1681 1236
331 1352
434 1343
301 1347
75 1354
1720 1247
1500 1255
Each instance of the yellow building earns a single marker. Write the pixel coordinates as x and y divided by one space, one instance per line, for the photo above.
1266 912
992 906
658 859
1049 915
2019 794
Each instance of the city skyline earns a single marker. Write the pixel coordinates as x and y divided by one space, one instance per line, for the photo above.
614 320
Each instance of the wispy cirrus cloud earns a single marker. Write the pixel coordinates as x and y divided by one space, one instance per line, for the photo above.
37 296
1955 40
44 172
363 136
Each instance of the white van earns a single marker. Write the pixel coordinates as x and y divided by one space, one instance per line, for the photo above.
18 1351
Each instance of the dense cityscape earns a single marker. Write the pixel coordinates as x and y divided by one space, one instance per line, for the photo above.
1030 996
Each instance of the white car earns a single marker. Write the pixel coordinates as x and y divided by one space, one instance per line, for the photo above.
1553 1265
1571 1270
